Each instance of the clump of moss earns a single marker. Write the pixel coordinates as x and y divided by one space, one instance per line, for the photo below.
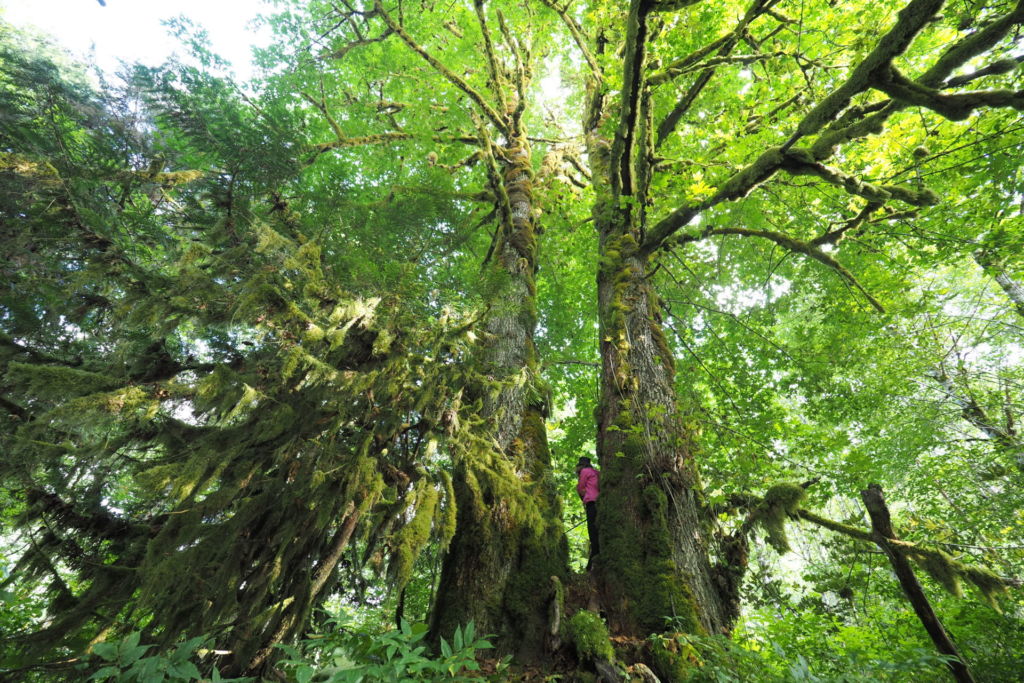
589 636
779 501
988 583
412 537
941 567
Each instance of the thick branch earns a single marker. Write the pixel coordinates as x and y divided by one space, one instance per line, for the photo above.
802 163
883 534
912 19
632 84
971 46
955 107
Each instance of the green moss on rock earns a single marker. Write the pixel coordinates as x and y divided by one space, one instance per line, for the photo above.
589 636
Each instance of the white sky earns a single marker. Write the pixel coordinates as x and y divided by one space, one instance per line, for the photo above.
130 30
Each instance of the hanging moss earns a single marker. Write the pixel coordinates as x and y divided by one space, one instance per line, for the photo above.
412 538
55 381
589 635
778 503
941 567
988 583
449 513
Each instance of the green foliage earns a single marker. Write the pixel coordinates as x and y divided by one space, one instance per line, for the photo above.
340 654
127 661
247 354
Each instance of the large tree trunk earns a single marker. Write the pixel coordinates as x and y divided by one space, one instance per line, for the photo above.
509 539
654 530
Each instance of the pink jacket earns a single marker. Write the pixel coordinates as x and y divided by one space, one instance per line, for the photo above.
587 485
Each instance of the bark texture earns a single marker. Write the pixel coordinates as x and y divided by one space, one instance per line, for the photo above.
655 533
509 539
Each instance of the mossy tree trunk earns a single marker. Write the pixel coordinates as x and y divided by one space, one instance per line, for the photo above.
509 538
654 530
654 568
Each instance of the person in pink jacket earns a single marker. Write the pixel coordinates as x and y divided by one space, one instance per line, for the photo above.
587 488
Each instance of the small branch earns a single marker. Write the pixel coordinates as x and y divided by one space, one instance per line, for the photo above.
488 111
835 236
322 106
793 245
493 70
577 35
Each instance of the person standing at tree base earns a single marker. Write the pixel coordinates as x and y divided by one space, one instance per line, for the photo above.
587 488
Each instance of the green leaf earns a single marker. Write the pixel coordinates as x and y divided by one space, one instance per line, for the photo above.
105 673
106 650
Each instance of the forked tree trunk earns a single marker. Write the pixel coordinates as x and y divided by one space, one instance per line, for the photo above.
509 538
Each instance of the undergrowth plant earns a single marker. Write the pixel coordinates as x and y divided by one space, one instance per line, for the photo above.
340 654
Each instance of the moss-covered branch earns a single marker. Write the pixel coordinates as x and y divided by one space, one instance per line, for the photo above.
955 107
494 73
801 162
835 236
723 47
883 533
972 45
682 65
911 20
629 105
787 242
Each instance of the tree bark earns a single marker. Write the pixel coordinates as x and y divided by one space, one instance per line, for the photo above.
653 528
881 524
509 539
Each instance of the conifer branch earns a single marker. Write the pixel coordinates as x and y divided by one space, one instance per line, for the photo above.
13 408
499 121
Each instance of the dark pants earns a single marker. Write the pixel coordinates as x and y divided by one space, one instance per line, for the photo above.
591 509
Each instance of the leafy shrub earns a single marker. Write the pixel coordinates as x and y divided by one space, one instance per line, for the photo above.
341 655
125 662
